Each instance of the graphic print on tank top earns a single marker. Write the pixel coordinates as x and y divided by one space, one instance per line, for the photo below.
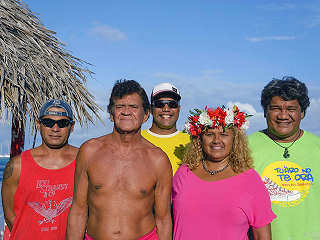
288 183
49 209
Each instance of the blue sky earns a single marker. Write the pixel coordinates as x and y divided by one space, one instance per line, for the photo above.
215 52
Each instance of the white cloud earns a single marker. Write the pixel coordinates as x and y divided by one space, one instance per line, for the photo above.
108 33
314 105
272 38
244 107
257 120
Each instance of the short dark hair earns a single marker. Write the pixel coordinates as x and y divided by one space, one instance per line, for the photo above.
288 88
125 87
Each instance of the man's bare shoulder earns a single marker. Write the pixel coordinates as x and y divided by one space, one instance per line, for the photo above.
73 149
151 148
12 168
156 155
95 148
95 143
16 160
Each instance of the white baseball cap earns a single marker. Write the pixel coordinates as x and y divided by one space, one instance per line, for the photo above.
165 89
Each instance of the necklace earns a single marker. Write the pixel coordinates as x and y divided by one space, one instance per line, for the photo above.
212 172
286 151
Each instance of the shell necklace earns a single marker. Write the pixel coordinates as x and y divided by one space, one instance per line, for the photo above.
212 172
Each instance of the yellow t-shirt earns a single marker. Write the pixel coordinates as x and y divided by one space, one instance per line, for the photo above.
173 145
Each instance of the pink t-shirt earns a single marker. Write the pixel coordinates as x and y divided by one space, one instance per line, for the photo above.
221 209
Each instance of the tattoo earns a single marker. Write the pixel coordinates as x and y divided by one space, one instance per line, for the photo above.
7 173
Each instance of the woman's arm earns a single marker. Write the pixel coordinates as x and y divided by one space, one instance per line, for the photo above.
263 233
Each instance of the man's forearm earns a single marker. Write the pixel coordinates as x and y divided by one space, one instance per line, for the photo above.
9 221
77 220
8 209
164 228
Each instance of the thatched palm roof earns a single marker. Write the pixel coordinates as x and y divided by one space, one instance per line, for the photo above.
34 67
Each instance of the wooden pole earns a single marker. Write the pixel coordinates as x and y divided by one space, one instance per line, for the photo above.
17 137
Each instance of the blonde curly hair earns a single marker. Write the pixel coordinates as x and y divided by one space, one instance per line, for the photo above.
239 158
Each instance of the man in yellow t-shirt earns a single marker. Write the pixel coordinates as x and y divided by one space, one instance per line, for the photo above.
165 104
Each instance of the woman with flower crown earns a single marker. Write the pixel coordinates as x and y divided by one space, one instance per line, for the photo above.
216 193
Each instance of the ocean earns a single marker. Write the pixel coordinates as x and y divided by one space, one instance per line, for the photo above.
3 162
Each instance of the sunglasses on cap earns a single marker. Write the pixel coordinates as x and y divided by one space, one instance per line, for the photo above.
162 103
62 123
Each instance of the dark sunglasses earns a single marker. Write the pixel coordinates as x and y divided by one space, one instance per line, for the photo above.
162 103
62 123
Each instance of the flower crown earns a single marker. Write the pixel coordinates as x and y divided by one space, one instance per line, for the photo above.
200 120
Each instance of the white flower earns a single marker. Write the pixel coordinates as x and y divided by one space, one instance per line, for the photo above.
204 119
229 117
187 127
245 125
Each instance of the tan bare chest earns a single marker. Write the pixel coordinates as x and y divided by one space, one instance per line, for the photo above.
131 176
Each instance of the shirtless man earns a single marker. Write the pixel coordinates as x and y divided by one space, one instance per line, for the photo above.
122 181
37 185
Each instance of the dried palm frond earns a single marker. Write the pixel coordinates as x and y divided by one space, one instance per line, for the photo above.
34 67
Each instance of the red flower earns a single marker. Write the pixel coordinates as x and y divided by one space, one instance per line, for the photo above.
211 113
219 117
195 130
239 119
194 119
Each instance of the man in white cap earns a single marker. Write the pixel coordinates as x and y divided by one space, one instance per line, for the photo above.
165 108
37 185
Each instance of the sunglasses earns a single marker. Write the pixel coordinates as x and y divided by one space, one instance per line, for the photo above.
62 123
162 103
